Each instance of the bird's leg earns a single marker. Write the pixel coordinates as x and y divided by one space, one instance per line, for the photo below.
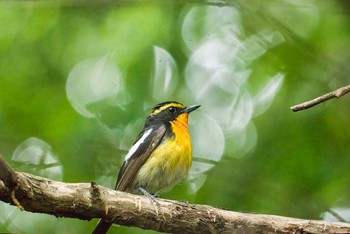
147 194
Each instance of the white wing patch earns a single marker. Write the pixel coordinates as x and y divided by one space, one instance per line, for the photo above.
137 144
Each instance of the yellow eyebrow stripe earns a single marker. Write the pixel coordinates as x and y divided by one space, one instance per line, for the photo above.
165 107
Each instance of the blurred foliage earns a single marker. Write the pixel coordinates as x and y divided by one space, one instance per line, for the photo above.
245 62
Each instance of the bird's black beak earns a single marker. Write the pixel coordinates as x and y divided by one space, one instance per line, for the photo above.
191 108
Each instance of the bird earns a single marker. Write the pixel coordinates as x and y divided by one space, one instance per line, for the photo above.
160 157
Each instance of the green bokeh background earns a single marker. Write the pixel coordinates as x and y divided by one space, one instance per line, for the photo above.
299 165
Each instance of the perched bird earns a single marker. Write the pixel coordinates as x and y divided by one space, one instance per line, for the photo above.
160 157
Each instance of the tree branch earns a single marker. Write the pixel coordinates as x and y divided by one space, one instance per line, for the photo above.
335 94
87 201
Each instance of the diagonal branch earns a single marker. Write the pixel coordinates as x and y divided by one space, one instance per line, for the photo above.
335 94
7 174
87 201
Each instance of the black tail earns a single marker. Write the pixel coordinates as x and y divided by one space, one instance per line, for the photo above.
102 227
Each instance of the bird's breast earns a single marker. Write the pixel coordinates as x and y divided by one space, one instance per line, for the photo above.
168 164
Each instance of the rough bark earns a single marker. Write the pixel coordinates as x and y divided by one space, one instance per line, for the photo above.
87 201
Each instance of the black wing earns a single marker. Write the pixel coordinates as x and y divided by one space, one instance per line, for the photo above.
147 141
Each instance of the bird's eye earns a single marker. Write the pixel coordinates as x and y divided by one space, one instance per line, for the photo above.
171 110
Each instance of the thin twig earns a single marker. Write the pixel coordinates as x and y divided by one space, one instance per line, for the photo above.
334 94
336 215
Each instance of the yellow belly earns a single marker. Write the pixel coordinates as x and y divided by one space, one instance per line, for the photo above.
168 164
